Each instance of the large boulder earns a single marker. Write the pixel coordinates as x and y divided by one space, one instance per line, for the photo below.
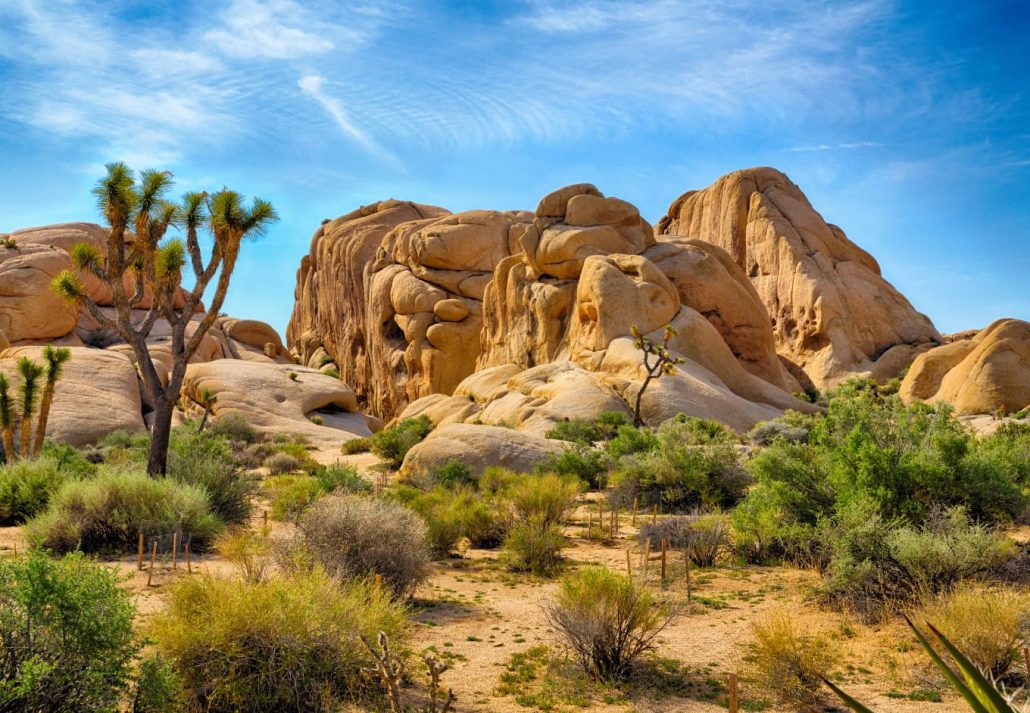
833 314
979 374
29 309
279 398
479 447
98 393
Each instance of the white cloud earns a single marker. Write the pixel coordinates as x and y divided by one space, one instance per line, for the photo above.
268 29
312 86
835 147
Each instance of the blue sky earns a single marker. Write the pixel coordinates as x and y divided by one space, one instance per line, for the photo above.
906 123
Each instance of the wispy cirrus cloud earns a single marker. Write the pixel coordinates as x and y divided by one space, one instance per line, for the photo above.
846 146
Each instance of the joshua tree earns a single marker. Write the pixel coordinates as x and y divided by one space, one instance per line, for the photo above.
8 417
207 399
152 266
664 362
55 359
30 372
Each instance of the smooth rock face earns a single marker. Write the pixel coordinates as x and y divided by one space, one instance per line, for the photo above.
28 308
478 447
985 373
833 315
98 393
273 402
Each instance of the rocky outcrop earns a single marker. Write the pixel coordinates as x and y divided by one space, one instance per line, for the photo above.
984 373
100 391
833 314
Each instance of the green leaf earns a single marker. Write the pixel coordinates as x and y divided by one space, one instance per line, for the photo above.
67 286
982 688
848 700
957 683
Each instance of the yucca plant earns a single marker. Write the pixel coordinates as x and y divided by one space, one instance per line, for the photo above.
55 358
137 256
979 692
30 373
8 417
207 400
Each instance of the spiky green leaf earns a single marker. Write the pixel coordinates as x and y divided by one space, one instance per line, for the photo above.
86 256
67 286
171 258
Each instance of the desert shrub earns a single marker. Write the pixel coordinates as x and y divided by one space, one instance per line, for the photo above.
630 439
1008 450
248 551
533 546
705 537
26 487
69 460
341 478
453 473
107 513
496 479
291 495
586 431
588 464
392 444
763 535
352 536
356 445
124 447
66 636
989 625
606 619
695 464
234 428
206 460
284 644
296 446
280 463
547 496
765 432
157 688
874 561
451 515
254 455
787 664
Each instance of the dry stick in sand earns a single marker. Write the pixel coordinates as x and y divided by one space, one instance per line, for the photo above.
1026 659
189 565
654 514
665 546
139 554
647 556
686 564
633 520
733 693
611 525
153 556
175 550
265 516
629 566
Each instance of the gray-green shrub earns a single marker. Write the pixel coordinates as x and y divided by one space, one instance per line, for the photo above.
533 546
26 487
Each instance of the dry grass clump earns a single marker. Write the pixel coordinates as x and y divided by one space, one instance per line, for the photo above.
705 536
606 619
292 495
289 643
988 624
786 663
280 463
533 546
352 536
249 552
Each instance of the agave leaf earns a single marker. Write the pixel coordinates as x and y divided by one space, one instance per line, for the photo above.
982 688
848 700
957 683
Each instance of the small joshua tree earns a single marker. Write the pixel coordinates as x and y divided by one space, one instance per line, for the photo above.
137 262
207 400
663 362
8 417
55 359
30 373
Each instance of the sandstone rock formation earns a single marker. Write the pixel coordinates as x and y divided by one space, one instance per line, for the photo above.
983 373
100 390
524 319
478 447
833 314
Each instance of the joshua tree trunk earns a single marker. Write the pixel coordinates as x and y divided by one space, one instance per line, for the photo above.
203 419
41 420
9 451
26 437
55 359
157 460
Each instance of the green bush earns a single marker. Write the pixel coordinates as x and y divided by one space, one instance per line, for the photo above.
451 515
291 495
764 535
875 562
533 546
587 464
765 432
66 636
587 432
207 461
630 439
285 644
69 459
341 478
546 496
392 444
695 464
26 487
280 463
107 513
606 619
234 428
453 473
353 537
356 445
157 689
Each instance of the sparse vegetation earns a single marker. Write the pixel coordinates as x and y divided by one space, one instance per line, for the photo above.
393 443
26 487
292 495
280 463
533 546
